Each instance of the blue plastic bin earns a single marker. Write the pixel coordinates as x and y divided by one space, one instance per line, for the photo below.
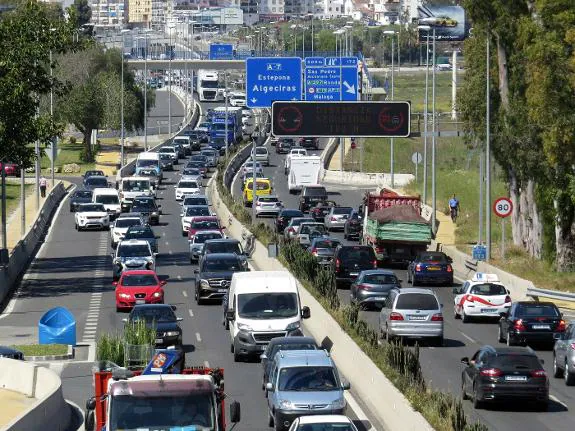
57 326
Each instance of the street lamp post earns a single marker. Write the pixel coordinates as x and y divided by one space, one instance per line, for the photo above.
312 33
122 127
433 184
146 91
170 27
487 154
391 142
425 112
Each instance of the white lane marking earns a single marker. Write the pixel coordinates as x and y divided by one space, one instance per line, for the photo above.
357 410
191 312
185 293
468 337
557 400
198 337
206 364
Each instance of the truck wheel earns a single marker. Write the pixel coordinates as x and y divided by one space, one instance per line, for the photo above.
270 420
89 421
237 356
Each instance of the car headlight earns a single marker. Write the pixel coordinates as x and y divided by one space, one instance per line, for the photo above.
244 327
157 294
171 334
292 326
286 405
124 295
204 283
338 404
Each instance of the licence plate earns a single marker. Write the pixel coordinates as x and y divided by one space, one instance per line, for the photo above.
354 274
488 310
516 378
140 301
541 327
380 298
222 290
159 340
434 268
417 317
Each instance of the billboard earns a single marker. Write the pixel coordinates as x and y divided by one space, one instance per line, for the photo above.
448 21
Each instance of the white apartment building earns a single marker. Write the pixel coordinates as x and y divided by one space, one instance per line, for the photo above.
108 13
271 10
327 9
389 11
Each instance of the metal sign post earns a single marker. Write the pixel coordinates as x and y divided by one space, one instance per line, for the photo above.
503 207
416 158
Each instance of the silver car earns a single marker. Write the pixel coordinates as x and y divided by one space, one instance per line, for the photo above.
336 217
268 205
292 229
411 313
564 355
308 231
212 156
262 155
197 242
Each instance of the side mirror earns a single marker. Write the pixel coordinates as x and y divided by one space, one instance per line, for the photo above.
174 307
91 403
114 283
230 315
196 271
263 356
558 336
163 283
269 387
456 290
449 259
305 312
346 386
465 360
179 319
235 412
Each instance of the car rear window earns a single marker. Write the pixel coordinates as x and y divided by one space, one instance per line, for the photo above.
327 244
83 194
416 301
267 199
380 279
315 191
488 289
291 213
260 150
516 362
342 210
537 310
432 257
356 254
222 247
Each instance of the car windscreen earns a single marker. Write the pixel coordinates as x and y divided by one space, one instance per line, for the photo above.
97 182
267 305
139 233
188 185
200 238
144 163
135 185
432 258
223 247
92 173
197 211
83 194
132 250
379 279
317 229
191 172
205 225
307 379
220 264
168 150
326 426
150 314
127 222
147 203
416 301
139 280
315 191
342 210
488 289
356 254
91 208
107 199
515 362
537 310
199 158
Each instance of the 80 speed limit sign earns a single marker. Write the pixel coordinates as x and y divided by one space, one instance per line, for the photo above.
503 207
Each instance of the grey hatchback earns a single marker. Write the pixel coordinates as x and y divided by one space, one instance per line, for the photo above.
372 287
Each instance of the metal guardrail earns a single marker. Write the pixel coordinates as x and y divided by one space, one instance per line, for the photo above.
471 264
536 293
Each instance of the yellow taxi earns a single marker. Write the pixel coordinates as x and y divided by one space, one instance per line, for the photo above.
263 188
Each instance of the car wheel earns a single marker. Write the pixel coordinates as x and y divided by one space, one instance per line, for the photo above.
477 404
542 406
509 341
500 335
270 420
237 356
463 393
76 226
557 372
89 423
568 375
414 281
439 341
464 317
199 299
388 338
184 233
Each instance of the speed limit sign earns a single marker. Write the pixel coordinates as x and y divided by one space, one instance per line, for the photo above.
503 207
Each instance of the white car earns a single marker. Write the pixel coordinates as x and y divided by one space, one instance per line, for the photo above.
248 167
171 151
481 297
237 99
294 152
322 422
192 211
187 187
91 216
261 155
120 226
268 205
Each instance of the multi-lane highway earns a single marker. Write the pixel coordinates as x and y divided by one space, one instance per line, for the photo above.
441 365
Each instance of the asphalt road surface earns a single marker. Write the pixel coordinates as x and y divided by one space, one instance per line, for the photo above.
441 365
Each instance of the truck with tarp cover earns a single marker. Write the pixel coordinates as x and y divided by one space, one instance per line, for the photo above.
394 227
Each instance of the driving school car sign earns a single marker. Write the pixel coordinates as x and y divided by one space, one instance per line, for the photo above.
271 79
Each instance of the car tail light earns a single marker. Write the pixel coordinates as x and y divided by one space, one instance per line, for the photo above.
507 299
491 372
395 316
258 204
363 286
449 268
518 325
572 346
438 317
291 230
561 326
538 373
314 251
470 298
418 267
374 263
332 218
337 263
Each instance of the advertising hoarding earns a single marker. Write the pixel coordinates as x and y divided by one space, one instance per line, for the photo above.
448 21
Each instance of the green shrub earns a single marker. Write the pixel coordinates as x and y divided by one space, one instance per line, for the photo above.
110 347
139 334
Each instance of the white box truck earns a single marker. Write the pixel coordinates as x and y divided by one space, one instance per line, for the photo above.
304 171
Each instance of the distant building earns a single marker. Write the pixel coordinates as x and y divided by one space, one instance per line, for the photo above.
389 11
140 13
271 10
108 13
327 9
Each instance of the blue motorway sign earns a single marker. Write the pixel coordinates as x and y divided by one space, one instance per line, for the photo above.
331 79
221 51
271 79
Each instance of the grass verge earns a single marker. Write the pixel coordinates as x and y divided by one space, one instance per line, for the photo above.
68 152
42 349
13 196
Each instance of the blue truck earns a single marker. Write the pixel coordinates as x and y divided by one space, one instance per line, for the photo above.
217 120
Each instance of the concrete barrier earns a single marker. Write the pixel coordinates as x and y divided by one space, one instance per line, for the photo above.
384 401
26 247
50 410
365 179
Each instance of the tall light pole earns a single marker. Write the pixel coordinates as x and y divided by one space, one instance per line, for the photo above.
312 33
427 29
226 114
391 142
146 90
487 153
433 183
349 25
170 27
122 126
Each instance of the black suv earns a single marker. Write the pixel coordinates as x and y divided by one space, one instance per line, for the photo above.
505 374
148 208
309 143
349 261
531 322
227 245
284 217
310 196
284 145
214 275
353 226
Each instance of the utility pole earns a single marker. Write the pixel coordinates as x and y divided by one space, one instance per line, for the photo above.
146 93
226 114
53 146
426 120
170 83
433 185
488 155
392 162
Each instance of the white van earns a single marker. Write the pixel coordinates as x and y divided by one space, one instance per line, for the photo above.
304 171
109 198
148 161
131 187
261 305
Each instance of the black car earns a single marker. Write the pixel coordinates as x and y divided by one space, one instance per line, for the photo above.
179 148
166 162
353 227
197 138
309 143
321 209
197 165
80 197
310 196
284 217
95 181
226 245
350 260
94 173
505 374
148 207
214 275
163 318
145 233
283 343
284 145
531 322
8 352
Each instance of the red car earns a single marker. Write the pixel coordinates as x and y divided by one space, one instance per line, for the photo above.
204 223
138 287
11 169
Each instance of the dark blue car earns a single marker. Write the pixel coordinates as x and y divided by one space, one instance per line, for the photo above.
431 267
